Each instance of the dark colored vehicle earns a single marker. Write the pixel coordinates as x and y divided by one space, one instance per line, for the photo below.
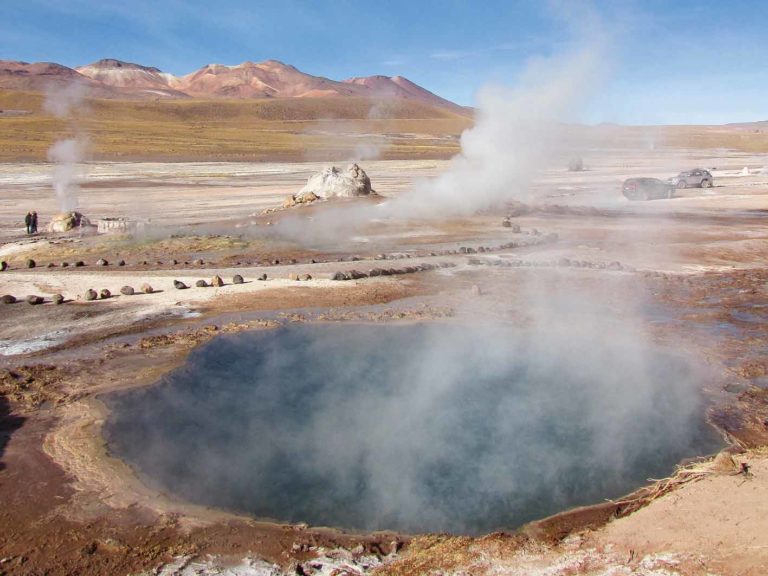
647 189
696 178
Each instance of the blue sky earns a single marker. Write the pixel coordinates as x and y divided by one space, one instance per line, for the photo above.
669 61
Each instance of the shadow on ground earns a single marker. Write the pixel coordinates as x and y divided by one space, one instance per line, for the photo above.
9 423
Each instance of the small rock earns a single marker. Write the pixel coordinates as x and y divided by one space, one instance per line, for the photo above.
127 291
104 294
237 279
79 264
339 276
275 261
179 285
34 300
263 277
217 281
121 263
201 284
50 265
294 277
306 277
146 288
30 263
198 262
8 299
64 264
174 262
58 299
506 223
3 265
102 262
91 294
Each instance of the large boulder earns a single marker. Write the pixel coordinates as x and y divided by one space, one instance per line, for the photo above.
332 182
66 221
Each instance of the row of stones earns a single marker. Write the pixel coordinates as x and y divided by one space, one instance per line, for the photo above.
561 263
105 293
541 238
356 275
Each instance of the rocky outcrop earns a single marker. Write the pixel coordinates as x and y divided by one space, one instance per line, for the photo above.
330 183
66 221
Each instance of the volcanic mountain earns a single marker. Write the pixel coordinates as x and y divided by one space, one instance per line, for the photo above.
110 78
45 76
132 77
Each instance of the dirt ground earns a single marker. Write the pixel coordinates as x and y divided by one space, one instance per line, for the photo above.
694 266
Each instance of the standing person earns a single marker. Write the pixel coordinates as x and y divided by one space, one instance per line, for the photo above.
34 222
28 222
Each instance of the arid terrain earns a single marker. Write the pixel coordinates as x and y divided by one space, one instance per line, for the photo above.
689 270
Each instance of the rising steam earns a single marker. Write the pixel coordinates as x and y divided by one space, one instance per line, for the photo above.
517 133
67 154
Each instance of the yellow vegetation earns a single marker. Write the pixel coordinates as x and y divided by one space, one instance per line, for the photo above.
232 130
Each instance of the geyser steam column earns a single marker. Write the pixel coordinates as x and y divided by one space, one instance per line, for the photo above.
67 153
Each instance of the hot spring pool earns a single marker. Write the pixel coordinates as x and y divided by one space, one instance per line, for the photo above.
431 427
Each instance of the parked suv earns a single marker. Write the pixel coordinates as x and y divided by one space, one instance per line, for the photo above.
646 189
697 178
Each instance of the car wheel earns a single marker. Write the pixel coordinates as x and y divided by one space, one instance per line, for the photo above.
682 184
706 183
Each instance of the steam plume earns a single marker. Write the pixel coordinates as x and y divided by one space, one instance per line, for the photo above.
518 132
67 153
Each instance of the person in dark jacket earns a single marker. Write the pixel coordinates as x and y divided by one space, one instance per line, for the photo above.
34 222
28 222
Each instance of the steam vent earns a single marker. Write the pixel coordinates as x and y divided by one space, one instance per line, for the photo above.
408 428
67 221
332 183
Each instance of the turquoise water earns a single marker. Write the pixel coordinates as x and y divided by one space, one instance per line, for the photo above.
411 428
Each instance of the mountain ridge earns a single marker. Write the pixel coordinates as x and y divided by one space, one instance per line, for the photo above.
112 78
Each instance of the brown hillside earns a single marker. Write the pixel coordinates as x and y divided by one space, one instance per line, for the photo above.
237 130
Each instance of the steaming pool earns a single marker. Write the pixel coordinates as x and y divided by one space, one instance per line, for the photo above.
428 427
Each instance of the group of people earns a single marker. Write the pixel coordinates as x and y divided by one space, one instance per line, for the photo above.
30 220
